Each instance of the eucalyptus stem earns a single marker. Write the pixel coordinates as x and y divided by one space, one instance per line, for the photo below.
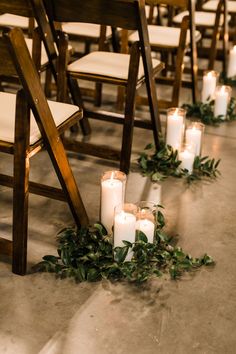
87 254
160 164
204 111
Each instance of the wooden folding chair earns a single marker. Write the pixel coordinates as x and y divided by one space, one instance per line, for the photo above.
23 134
230 8
19 13
106 67
229 29
217 23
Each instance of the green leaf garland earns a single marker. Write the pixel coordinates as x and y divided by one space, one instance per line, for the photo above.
160 164
204 111
87 254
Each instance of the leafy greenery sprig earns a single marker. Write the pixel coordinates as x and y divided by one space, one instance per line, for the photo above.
160 164
231 81
87 254
205 112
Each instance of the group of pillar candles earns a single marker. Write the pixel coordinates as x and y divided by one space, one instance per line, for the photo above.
176 134
220 94
121 219
188 142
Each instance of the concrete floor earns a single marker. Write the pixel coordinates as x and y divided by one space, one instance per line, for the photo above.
41 314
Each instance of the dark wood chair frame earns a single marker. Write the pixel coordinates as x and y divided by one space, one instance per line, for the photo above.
20 8
187 23
218 32
24 8
128 14
15 60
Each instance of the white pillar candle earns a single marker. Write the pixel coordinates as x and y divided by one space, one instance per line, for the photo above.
147 227
175 126
222 97
111 196
124 229
231 71
209 85
187 158
193 137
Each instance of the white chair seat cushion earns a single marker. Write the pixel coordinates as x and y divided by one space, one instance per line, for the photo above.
14 21
212 6
84 29
44 57
163 36
60 112
202 18
114 65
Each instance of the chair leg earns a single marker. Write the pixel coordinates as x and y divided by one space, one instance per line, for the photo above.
193 49
179 67
127 137
215 39
225 37
77 99
98 94
21 187
48 84
20 214
152 101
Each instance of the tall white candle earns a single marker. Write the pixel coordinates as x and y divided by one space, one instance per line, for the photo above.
231 71
124 229
147 227
209 85
221 102
111 196
175 124
194 137
187 158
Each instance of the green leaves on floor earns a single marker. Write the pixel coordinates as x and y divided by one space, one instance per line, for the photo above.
87 254
160 164
205 112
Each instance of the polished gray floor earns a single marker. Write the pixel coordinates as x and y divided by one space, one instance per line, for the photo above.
41 314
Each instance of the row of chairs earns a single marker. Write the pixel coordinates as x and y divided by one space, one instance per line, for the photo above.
23 137
129 70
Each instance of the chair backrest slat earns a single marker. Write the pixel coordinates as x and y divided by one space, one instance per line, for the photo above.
178 3
116 13
16 7
7 67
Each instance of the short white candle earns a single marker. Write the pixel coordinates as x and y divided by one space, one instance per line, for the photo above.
187 158
111 196
147 227
221 102
231 71
124 229
208 85
194 137
174 135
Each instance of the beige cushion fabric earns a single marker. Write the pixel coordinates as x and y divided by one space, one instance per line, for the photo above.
164 36
202 18
115 65
84 29
212 5
60 112
14 20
